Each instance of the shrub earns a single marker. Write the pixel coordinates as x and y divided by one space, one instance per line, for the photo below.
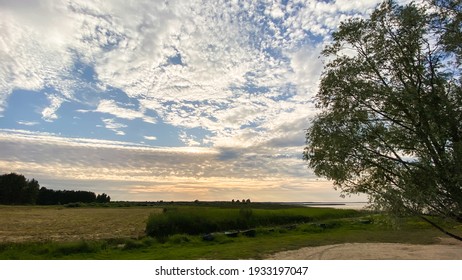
189 221
78 247
131 244
73 205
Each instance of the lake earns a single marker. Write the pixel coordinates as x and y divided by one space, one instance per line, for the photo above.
337 205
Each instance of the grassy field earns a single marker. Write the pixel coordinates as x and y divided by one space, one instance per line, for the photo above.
57 223
31 232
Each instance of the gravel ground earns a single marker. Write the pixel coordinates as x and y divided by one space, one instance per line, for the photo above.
446 249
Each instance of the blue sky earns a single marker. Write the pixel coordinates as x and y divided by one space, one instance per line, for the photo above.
165 100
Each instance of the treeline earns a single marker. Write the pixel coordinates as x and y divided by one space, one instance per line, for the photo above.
52 197
16 189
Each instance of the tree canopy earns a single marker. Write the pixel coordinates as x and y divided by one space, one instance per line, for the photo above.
16 189
390 100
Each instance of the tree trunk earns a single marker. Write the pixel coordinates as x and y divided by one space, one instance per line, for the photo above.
441 229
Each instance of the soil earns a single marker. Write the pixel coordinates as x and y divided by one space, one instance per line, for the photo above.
445 249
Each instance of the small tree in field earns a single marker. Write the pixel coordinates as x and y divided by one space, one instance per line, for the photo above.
391 110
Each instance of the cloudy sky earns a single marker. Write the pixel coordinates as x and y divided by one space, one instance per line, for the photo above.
165 100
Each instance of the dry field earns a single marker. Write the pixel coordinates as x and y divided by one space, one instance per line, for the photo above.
57 223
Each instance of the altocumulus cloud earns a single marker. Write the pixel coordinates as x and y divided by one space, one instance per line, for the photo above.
226 87
134 171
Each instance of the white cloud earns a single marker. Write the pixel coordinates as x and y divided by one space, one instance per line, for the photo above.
189 140
128 158
111 124
33 48
49 113
141 172
111 107
28 123
275 11
307 65
151 138
243 72
223 51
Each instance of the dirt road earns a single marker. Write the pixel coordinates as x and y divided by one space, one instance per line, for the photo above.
446 249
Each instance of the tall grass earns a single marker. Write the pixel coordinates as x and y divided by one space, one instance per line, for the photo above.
52 250
199 220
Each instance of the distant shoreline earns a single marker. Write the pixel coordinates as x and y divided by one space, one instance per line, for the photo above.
342 205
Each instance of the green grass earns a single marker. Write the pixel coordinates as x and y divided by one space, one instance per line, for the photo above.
200 220
276 229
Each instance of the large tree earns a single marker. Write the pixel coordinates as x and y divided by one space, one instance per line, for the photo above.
447 19
390 100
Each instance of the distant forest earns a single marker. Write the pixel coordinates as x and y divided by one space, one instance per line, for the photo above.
16 190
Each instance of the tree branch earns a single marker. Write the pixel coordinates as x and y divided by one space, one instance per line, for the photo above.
441 229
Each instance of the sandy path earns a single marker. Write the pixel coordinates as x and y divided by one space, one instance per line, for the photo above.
446 249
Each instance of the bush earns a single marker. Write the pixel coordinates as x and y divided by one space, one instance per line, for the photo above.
73 205
131 244
174 221
78 247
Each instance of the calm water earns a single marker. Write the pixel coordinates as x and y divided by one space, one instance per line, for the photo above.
338 205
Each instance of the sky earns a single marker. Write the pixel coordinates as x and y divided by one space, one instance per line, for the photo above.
166 100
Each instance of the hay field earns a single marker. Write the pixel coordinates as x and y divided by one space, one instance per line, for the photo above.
57 223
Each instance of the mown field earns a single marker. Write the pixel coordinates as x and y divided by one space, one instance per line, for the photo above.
32 232
58 223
